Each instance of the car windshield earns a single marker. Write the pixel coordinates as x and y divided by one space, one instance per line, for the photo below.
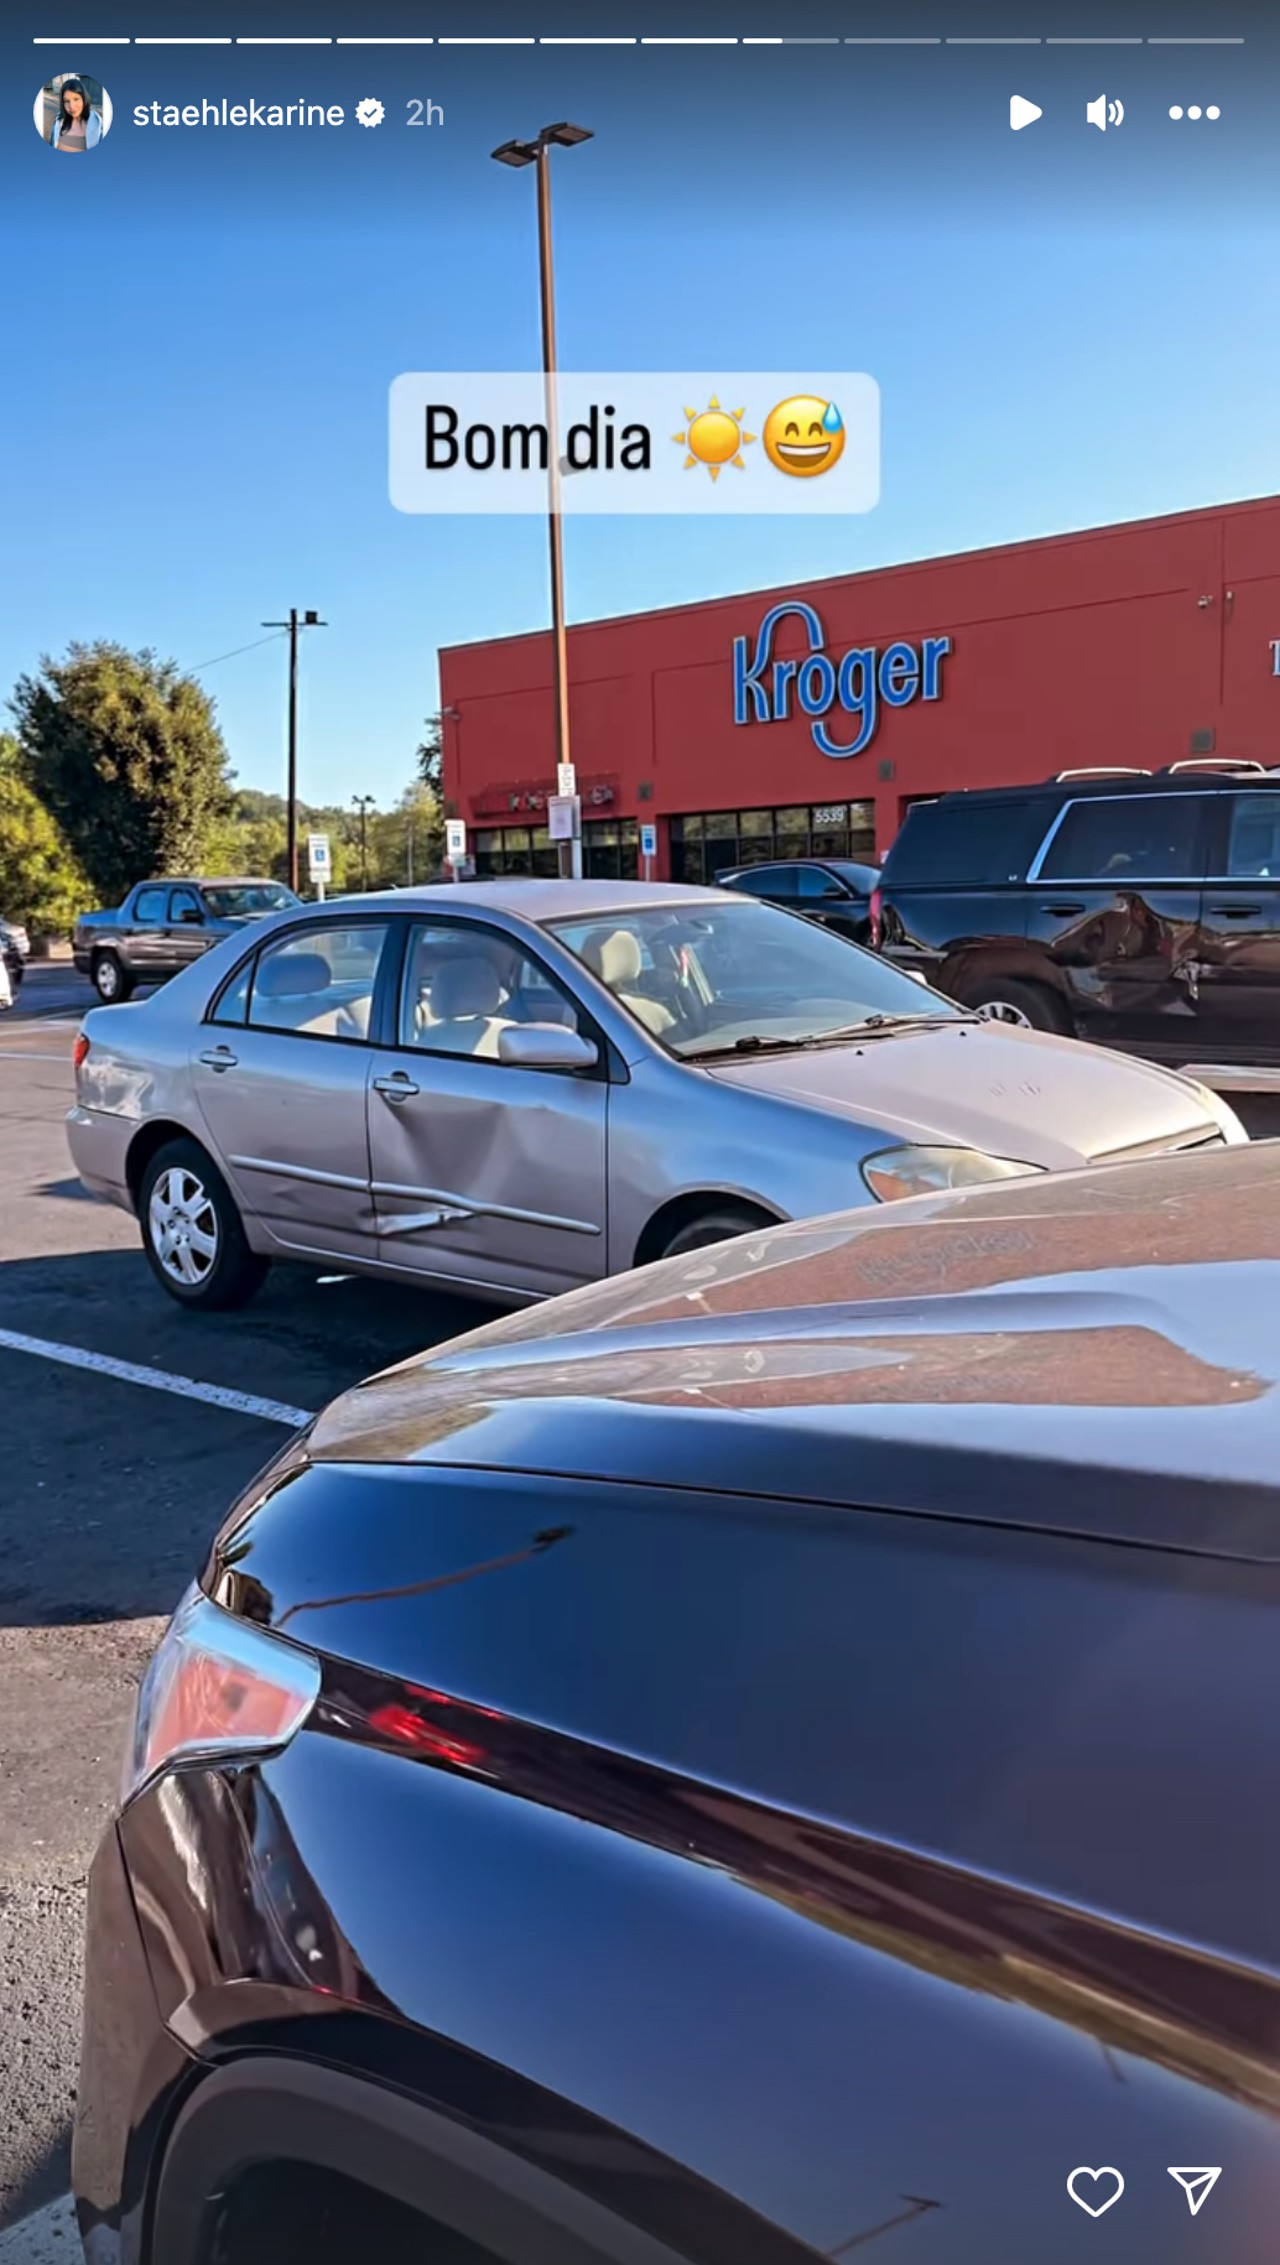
240 900
737 976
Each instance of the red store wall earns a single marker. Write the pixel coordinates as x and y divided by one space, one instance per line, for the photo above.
1117 645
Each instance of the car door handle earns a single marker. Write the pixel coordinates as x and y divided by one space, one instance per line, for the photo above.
1235 911
1062 911
398 1087
221 1058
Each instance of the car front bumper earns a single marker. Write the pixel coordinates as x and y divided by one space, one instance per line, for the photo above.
132 2072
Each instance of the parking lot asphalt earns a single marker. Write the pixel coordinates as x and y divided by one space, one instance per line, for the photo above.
110 1493
111 1490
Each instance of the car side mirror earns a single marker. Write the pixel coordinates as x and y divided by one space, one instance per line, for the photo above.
545 1046
190 917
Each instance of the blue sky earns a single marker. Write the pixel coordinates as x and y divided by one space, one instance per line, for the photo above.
1067 328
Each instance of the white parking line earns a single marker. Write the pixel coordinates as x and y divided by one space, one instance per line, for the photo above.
7 1055
48 2236
156 1379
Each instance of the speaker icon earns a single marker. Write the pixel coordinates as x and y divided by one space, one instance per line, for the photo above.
1103 113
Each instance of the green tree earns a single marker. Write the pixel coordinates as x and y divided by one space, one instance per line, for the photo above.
254 838
406 844
125 753
429 754
40 881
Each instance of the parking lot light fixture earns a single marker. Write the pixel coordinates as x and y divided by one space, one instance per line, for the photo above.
565 135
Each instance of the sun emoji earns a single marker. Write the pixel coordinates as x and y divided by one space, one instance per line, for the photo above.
714 437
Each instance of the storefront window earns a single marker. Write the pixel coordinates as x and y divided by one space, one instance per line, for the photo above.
611 849
702 846
503 851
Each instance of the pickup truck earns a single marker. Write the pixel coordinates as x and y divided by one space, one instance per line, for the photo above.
163 925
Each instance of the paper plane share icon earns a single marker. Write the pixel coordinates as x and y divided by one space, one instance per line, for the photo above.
1197 2185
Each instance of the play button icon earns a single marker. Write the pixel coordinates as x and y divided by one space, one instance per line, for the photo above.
1023 113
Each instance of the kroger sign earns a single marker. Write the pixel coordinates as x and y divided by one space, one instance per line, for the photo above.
857 683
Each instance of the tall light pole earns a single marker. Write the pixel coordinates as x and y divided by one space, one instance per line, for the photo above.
295 622
563 136
364 804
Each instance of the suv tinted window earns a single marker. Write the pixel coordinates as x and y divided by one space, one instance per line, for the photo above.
1253 851
149 904
945 843
1143 837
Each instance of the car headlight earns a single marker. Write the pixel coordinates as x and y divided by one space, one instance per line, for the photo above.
896 1172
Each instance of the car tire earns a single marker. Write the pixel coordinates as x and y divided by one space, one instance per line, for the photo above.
718 1226
193 1234
1018 1005
110 978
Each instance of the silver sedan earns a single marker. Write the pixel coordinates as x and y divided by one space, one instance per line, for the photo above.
519 1087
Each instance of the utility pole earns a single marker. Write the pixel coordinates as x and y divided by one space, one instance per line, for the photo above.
294 623
364 804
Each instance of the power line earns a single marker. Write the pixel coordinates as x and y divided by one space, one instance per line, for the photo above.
273 639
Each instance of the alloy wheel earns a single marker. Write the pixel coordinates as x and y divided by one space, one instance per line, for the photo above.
1003 1010
183 1226
106 979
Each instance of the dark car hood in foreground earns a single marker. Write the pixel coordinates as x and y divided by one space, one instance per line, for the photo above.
1025 1348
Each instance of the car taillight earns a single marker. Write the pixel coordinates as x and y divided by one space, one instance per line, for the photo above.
80 1051
219 1689
877 907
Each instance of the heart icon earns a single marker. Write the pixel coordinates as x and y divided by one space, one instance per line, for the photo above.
1097 2181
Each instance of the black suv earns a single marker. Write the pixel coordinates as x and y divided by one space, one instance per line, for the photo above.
1138 909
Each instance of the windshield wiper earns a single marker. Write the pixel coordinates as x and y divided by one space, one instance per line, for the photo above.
884 1026
752 1044
872 1026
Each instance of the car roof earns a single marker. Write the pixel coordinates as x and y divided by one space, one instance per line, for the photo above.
539 901
212 881
1069 788
799 865
1023 1354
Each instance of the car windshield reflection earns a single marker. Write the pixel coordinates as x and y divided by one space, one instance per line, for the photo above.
258 897
743 976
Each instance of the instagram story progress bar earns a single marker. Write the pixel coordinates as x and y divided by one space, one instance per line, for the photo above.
491 35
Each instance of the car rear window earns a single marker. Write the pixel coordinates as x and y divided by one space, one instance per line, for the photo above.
954 840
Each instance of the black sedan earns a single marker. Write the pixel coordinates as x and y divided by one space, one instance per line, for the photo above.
765 1757
836 891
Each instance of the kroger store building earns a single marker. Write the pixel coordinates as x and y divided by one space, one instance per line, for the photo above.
802 722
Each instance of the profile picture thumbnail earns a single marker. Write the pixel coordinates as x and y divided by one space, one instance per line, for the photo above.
73 113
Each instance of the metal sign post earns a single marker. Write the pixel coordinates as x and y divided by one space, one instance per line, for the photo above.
564 824
455 845
319 863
